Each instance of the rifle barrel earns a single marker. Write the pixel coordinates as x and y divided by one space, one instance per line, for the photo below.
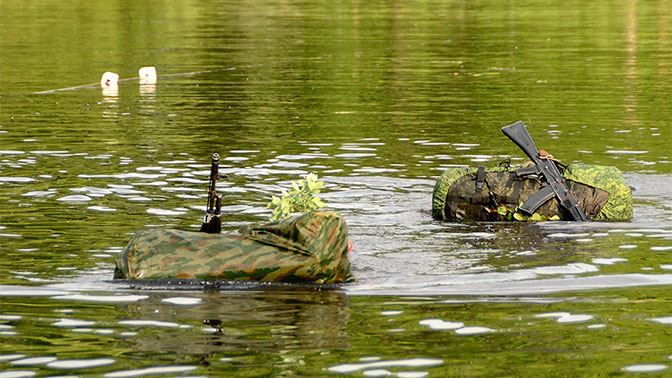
212 221
214 175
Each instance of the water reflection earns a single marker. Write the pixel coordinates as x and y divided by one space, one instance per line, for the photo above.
285 331
311 320
148 93
110 102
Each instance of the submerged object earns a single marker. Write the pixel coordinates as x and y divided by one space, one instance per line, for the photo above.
311 247
494 194
543 189
147 75
109 80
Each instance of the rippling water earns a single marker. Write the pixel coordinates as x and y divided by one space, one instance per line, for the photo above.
377 99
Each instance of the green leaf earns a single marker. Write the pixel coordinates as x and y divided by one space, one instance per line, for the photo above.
519 217
301 197
318 202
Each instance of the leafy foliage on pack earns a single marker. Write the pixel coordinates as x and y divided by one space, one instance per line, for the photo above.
515 214
300 198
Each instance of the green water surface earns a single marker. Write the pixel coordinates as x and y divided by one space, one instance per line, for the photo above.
378 99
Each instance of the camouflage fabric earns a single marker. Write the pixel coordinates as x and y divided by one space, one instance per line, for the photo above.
442 187
447 180
456 198
609 179
311 247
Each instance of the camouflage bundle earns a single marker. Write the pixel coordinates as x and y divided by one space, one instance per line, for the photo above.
600 190
311 247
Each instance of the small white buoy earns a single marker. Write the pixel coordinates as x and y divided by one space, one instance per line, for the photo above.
109 80
147 75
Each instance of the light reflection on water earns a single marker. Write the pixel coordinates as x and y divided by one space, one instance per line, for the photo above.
238 332
388 220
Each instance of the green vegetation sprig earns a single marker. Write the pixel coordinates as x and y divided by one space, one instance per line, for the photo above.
300 198
507 214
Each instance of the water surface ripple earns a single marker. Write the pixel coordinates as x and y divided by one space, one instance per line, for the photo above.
377 100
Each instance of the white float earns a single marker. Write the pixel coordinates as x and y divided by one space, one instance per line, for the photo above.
147 75
110 80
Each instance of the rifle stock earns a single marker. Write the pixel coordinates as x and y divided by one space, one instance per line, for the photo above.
518 133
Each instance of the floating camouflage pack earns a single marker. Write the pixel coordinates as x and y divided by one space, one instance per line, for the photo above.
311 247
497 193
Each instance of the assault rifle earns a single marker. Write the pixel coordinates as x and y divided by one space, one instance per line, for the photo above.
553 184
212 222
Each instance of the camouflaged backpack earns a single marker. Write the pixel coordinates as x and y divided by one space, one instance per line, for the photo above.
497 194
311 247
